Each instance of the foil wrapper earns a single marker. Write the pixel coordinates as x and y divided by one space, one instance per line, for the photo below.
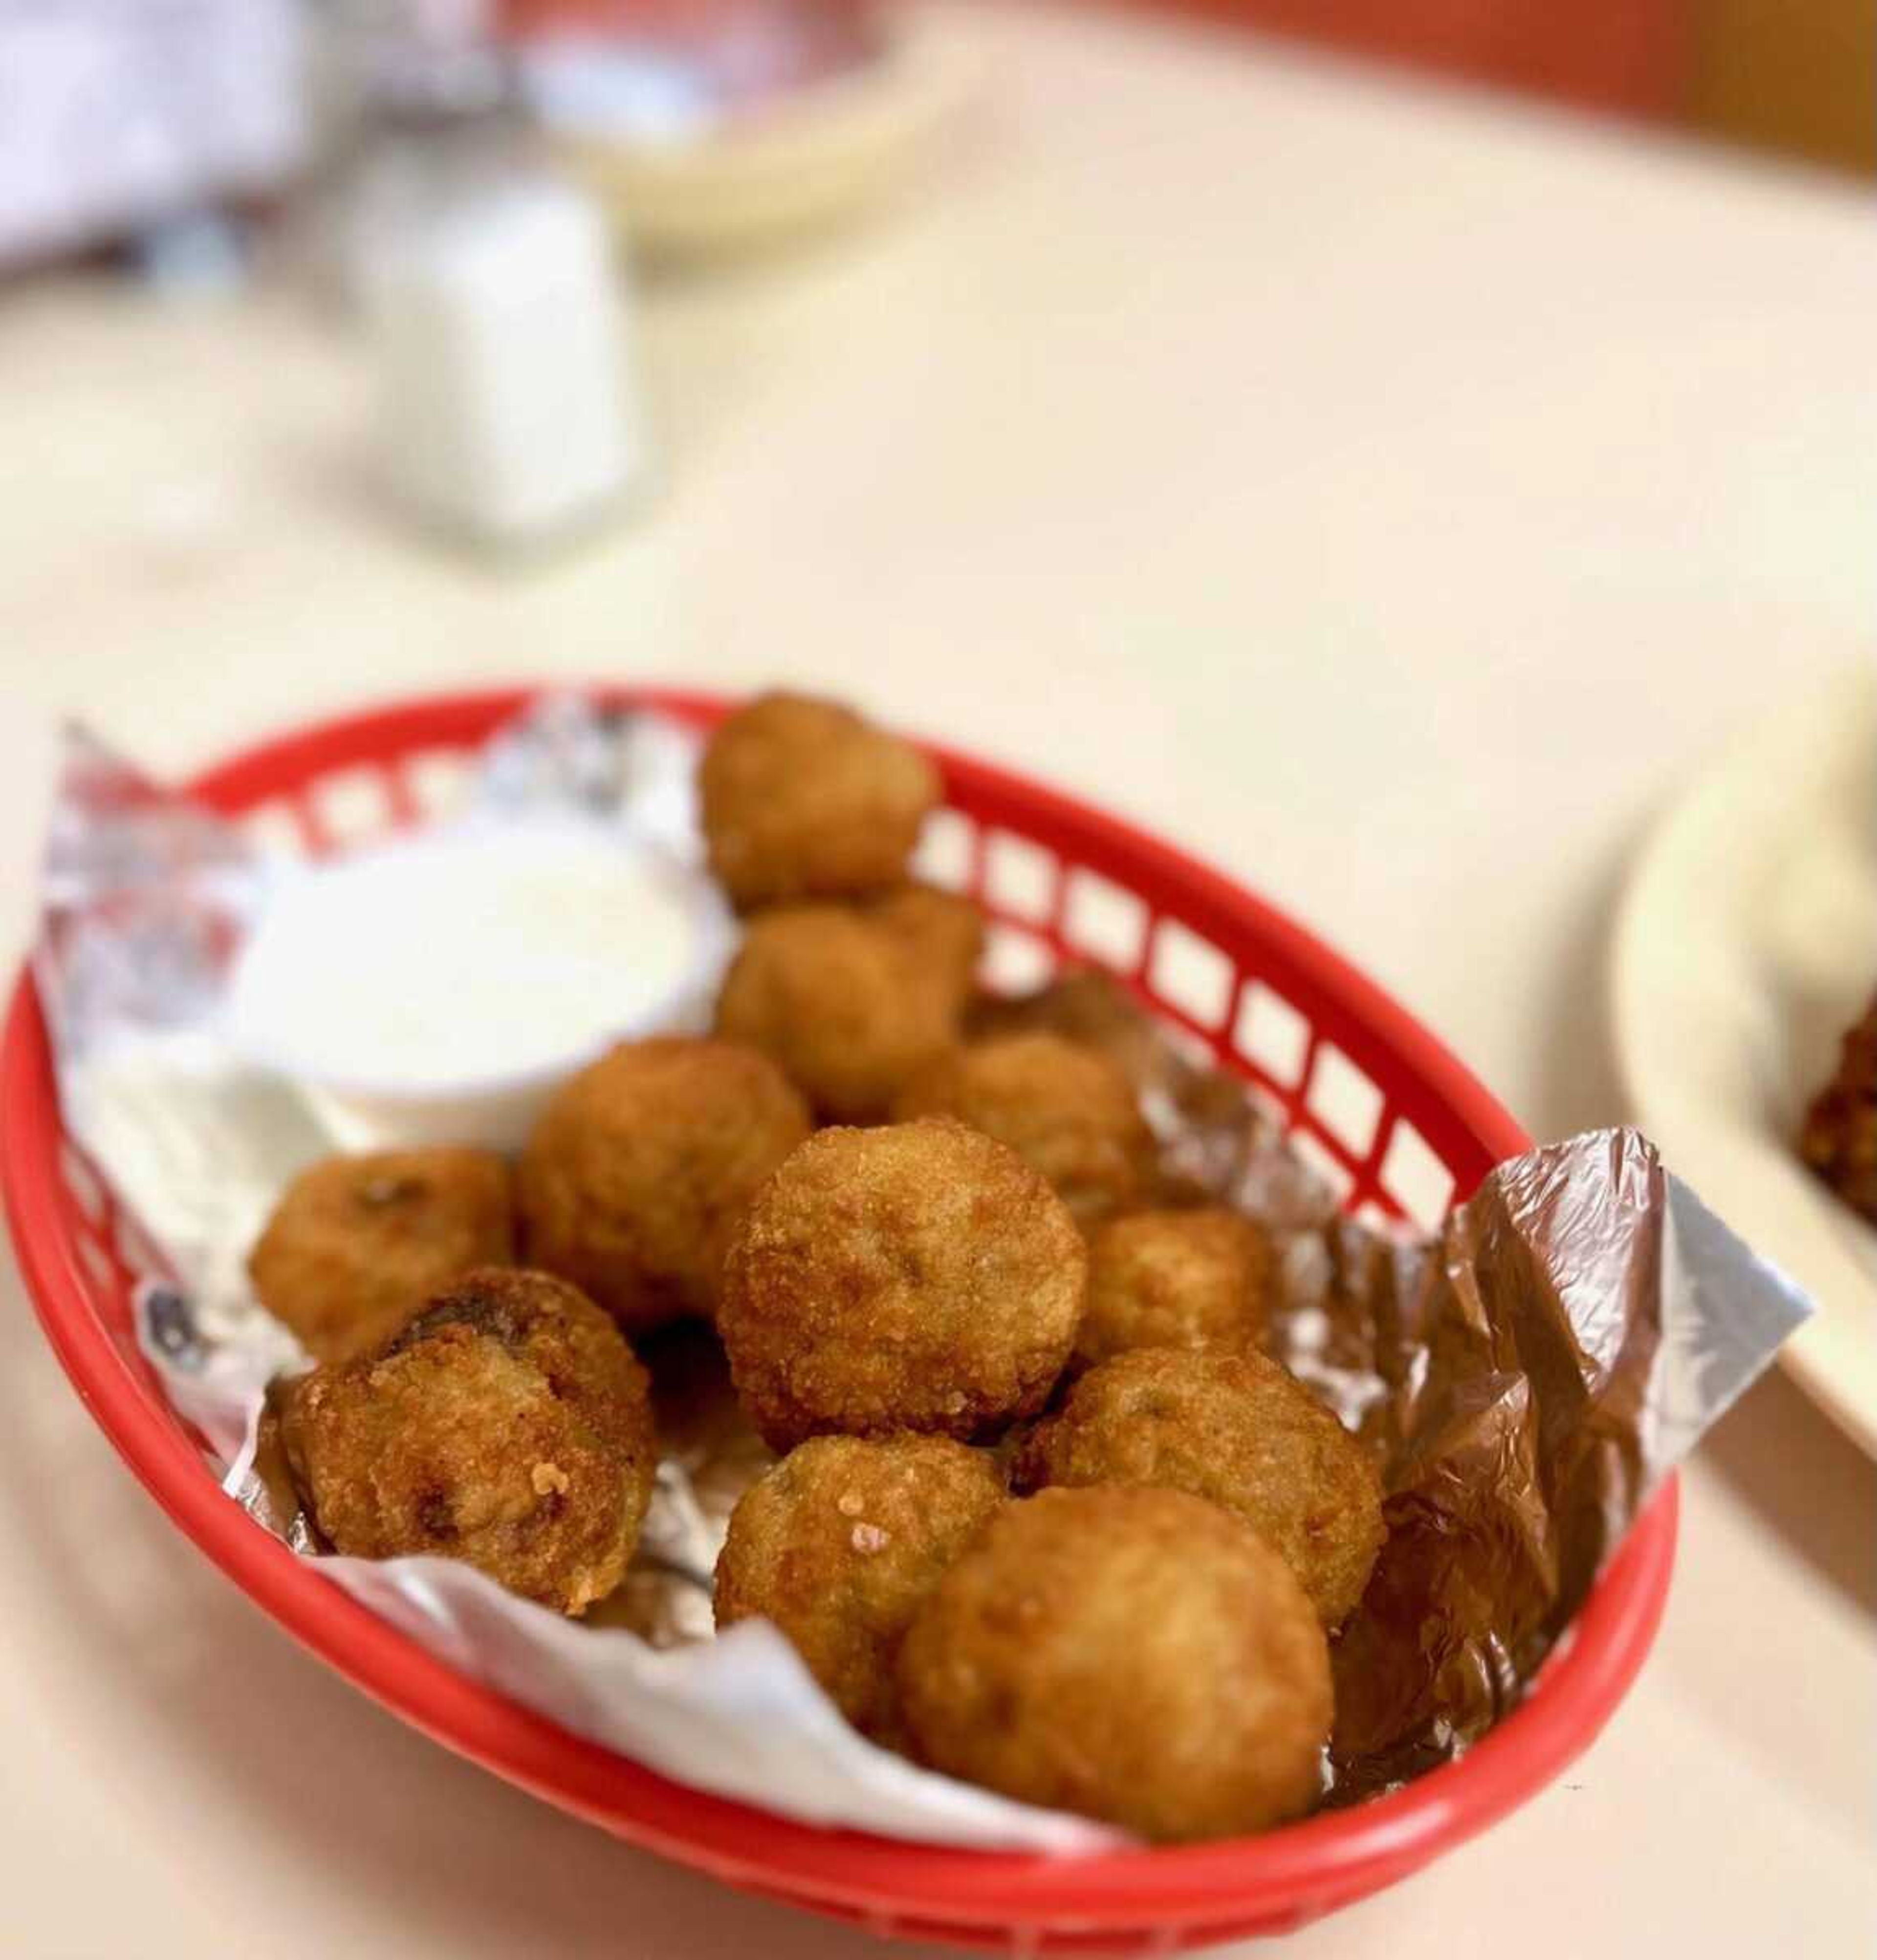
1525 1377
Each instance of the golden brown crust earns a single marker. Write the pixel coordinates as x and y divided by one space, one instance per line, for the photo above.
1138 1656
846 1006
1235 1429
508 1426
943 930
1066 1112
918 1276
839 1545
640 1167
1839 1139
802 799
356 1244
1176 1279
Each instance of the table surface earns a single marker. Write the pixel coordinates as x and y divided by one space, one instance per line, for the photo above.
1389 494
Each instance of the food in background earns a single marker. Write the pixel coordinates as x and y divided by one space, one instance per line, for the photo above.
839 1545
1839 1139
639 1169
844 1005
1235 1429
356 1245
509 1426
1176 1279
802 799
1139 1655
1067 1111
917 1277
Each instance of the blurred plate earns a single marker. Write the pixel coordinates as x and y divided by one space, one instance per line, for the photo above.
809 157
1745 946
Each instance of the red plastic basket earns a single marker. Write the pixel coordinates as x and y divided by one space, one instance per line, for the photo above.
1373 1098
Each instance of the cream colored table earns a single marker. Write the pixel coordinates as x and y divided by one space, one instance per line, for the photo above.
1390 495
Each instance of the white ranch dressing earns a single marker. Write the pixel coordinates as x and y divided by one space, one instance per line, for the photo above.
438 985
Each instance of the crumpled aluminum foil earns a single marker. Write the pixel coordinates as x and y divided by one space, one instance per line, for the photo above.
1525 1377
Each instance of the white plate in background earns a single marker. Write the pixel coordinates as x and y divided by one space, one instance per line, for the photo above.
1746 944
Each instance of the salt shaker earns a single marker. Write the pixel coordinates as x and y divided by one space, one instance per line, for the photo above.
509 405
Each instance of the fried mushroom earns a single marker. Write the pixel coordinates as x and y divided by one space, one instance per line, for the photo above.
848 1007
1138 1656
802 799
1197 1278
638 1170
508 1425
356 1244
916 1276
1238 1429
837 1546
1068 1111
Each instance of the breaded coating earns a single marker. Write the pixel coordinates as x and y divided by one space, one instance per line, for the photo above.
508 1426
844 1006
944 929
1066 1112
1839 1139
802 799
838 1546
639 1169
357 1244
1235 1429
1138 1656
917 1277
1175 1279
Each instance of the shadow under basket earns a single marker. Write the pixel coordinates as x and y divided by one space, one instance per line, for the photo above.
1397 1124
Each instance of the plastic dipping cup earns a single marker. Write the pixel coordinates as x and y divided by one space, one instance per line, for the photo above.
437 988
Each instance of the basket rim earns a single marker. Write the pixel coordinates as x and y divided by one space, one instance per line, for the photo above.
1302 1867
